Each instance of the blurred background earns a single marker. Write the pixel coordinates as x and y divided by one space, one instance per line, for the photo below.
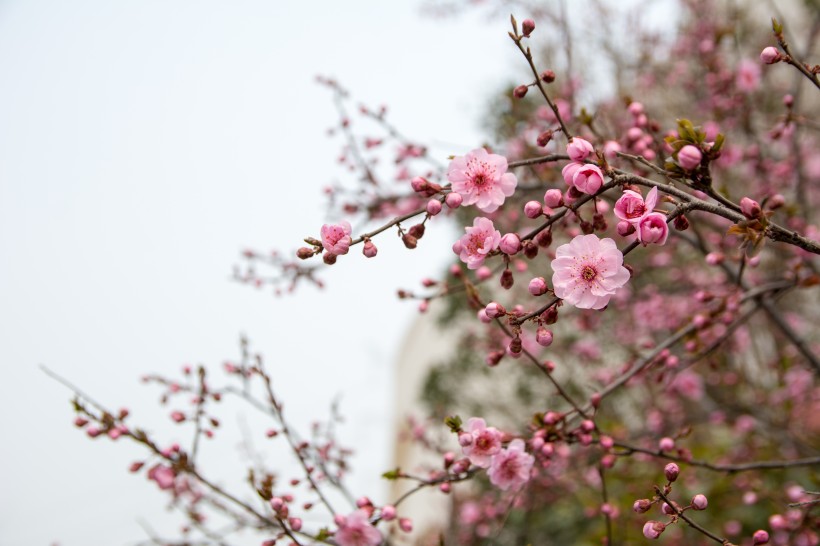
143 145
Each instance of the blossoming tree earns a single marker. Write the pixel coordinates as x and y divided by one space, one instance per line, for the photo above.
657 373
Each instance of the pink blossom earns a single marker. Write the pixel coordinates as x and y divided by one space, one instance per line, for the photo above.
769 55
653 529
588 179
760 536
163 475
689 157
533 209
336 237
480 240
537 286
510 244
511 467
750 208
700 502
588 271
482 179
569 170
553 198
486 442
631 206
356 530
748 76
653 229
578 149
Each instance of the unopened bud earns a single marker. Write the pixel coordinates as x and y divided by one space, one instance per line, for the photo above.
516 345
369 249
537 286
416 231
433 207
495 310
409 241
671 471
507 279
453 200
543 337
681 223
530 249
625 228
547 76
527 26
304 253
750 208
533 209
388 512
520 92
544 138
642 505
553 198
760 537
699 502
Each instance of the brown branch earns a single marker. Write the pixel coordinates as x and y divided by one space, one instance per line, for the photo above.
691 523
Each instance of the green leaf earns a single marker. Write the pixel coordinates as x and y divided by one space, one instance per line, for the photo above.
453 423
392 474
719 139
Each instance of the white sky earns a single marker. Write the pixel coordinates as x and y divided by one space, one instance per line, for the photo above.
143 144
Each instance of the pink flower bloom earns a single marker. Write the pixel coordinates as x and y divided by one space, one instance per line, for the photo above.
336 237
689 157
482 179
588 179
631 206
486 442
480 240
356 530
511 467
163 475
653 229
748 76
578 149
588 271
569 170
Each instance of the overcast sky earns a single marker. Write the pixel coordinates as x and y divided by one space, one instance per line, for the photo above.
143 144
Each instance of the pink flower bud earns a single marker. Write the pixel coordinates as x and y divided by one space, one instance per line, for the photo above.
329 258
714 258
769 55
547 76
666 444
419 184
681 223
642 505
433 207
635 108
494 358
588 179
543 337
295 524
406 524
444 487
388 512
653 529
533 209
510 244
339 520
653 229
515 347
482 316
776 201
520 92
671 471
760 537
553 198
495 310
369 249
276 503
483 273
578 149
699 502
611 149
750 208
606 442
538 286
177 416
136 466
666 509
527 26
453 200
689 157
625 228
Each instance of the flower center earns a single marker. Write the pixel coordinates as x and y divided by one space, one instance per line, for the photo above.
588 273
479 179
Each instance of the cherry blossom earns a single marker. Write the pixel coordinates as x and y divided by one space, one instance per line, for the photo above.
588 271
482 179
356 530
511 467
485 442
631 206
480 239
336 237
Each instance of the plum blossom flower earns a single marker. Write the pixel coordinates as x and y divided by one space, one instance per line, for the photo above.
486 442
588 271
511 467
163 475
631 206
336 237
578 149
585 177
482 179
356 530
480 240
653 229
